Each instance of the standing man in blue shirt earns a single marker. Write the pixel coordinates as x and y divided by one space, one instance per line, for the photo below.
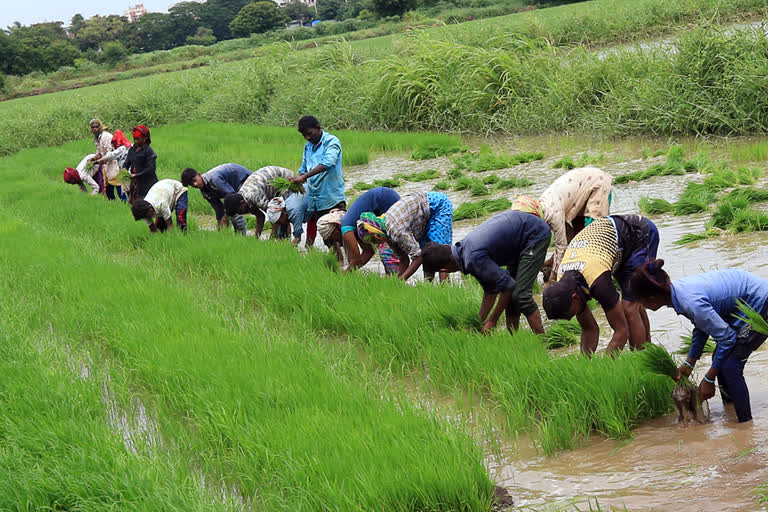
320 171
512 239
216 184
711 301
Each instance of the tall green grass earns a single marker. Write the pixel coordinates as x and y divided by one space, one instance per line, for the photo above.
510 84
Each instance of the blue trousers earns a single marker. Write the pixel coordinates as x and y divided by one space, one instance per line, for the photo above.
733 387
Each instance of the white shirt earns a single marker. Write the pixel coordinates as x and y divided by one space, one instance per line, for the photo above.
163 196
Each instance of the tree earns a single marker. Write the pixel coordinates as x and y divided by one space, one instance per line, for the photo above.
203 36
114 52
256 18
97 30
187 19
152 31
393 7
218 14
328 9
27 48
76 23
58 54
297 11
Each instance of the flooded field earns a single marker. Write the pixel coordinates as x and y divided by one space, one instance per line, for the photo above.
714 466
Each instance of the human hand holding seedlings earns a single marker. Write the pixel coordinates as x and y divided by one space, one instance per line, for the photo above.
298 179
685 369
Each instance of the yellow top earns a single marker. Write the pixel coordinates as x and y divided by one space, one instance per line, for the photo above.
592 251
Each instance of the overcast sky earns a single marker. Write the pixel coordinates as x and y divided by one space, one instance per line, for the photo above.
28 12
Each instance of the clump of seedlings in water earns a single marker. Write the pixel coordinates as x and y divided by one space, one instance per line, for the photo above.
656 359
388 182
562 333
486 160
465 321
674 166
514 182
283 184
474 185
566 163
441 185
434 151
429 174
481 208
652 205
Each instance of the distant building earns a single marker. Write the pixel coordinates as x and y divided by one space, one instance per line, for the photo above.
310 3
133 13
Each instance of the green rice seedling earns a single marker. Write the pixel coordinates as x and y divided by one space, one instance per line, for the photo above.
587 159
754 319
725 213
481 208
565 162
750 194
441 186
487 160
688 238
652 205
434 151
659 152
747 221
283 185
454 174
463 321
428 174
696 198
478 188
655 359
514 182
490 180
754 152
675 154
709 346
562 333
387 182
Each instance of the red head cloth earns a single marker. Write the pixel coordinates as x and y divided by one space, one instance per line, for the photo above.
71 176
141 131
118 139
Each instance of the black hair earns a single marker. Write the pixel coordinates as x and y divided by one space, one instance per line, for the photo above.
187 175
232 204
435 256
649 280
308 122
141 209
557 297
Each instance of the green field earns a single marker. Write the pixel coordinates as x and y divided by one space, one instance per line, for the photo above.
260 369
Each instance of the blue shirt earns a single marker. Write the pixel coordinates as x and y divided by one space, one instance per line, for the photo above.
377 200
222 180
296 210
497 242
326 189
709 301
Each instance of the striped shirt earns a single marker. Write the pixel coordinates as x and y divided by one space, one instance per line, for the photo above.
257 189
406 223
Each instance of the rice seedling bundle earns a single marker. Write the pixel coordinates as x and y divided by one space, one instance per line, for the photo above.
566 163
562 333
470 210
441 186
428 174
709 346
434 151
652 205
283 185
487 160
514 182
387 182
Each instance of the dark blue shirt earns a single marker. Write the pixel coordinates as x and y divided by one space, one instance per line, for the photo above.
377 200
222 180
498 242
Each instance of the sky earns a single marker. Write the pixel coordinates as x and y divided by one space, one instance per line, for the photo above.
28 12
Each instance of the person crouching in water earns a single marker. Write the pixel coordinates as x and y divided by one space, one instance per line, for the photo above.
710 301
512 239
610 246
155 209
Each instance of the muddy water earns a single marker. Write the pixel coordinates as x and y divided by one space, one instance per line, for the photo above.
714 466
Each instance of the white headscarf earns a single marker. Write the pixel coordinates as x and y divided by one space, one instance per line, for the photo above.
275 208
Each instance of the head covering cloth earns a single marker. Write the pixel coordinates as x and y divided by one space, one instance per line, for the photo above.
330 222
275 208
142 131
371 229
71 176
528 205
96 120
119 139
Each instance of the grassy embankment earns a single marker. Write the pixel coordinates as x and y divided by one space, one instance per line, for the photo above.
511 83
252 373
599 22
